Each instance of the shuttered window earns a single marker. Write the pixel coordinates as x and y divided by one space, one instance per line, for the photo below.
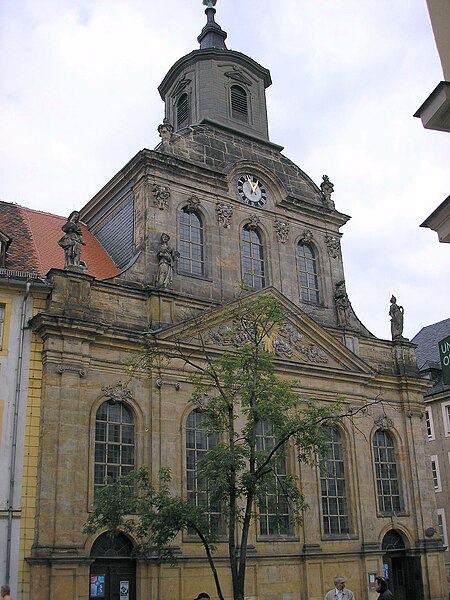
239 103
182 111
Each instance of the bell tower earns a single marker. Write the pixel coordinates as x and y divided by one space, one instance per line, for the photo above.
217 86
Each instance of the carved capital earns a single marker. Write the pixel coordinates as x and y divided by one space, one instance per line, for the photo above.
333 244
383 422
161 195
306 236
282 230
193 202
224 214
62 368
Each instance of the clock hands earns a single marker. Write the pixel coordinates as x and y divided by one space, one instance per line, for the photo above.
253 187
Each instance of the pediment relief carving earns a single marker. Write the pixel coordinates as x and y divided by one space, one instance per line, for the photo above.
285 342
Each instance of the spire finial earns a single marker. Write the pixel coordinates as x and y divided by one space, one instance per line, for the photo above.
212 35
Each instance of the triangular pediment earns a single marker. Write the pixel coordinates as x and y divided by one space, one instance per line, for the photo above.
298 340
239 76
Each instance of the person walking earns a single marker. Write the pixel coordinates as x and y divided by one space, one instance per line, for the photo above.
339 592
5 592
381 587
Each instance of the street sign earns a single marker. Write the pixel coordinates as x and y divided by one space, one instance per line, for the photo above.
444 351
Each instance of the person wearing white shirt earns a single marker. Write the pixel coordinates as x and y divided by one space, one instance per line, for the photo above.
339 592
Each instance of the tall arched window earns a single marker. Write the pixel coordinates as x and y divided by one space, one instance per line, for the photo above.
273 504
332 483
114 443
182 107
252 258
191 243
198 441
307 273
239 103
388 490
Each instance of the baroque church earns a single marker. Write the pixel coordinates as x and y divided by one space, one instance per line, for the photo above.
177 235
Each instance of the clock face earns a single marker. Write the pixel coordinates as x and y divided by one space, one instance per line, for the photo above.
251 190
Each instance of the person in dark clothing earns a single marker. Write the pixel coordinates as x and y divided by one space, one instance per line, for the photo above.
382 588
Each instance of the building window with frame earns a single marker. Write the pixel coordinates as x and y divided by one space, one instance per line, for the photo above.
446 417
191 245
239 103
386 473
114 443
429 423
182 109
307 273
442 526
333 489
273 505
199 439
253 268
435 472
2 323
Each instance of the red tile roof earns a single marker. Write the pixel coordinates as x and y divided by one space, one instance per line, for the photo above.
34 247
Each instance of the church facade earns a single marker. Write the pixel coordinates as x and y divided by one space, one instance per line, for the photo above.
214 214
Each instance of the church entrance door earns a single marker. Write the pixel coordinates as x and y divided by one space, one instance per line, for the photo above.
402 572
113 573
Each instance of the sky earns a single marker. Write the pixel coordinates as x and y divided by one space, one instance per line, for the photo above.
78 99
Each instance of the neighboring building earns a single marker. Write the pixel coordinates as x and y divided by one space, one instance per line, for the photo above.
28 248
22 294
437 401
439 221
216 204
435 111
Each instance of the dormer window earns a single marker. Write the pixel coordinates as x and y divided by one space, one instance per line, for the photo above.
239 103
4 243
182 111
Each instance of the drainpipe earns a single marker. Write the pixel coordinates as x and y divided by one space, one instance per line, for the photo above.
12 464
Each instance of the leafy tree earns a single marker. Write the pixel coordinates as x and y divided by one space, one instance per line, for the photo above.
239 395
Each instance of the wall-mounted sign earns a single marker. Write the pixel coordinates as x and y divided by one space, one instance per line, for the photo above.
97 586
444 352
124 590
372 581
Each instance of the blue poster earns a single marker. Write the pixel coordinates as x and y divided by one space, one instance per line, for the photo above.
97 586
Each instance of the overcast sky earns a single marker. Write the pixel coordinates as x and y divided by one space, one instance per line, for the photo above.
78 99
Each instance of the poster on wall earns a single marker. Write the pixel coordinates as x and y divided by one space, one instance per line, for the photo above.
97 586
124 590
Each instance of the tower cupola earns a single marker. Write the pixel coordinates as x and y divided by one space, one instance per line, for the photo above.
217 86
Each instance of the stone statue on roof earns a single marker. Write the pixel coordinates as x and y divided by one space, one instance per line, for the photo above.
396 313
71 242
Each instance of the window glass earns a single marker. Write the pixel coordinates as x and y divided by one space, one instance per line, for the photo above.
332 483
307 273
274 516
252 258
114 443
388 491
191 243
198 441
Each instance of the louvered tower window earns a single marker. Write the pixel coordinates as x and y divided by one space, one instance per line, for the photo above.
182 111
239 103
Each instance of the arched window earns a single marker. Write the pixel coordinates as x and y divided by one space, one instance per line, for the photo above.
332 483
252 258
274 518
388 490
114 443
182 111
307 273
239 103
198 441
191 243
